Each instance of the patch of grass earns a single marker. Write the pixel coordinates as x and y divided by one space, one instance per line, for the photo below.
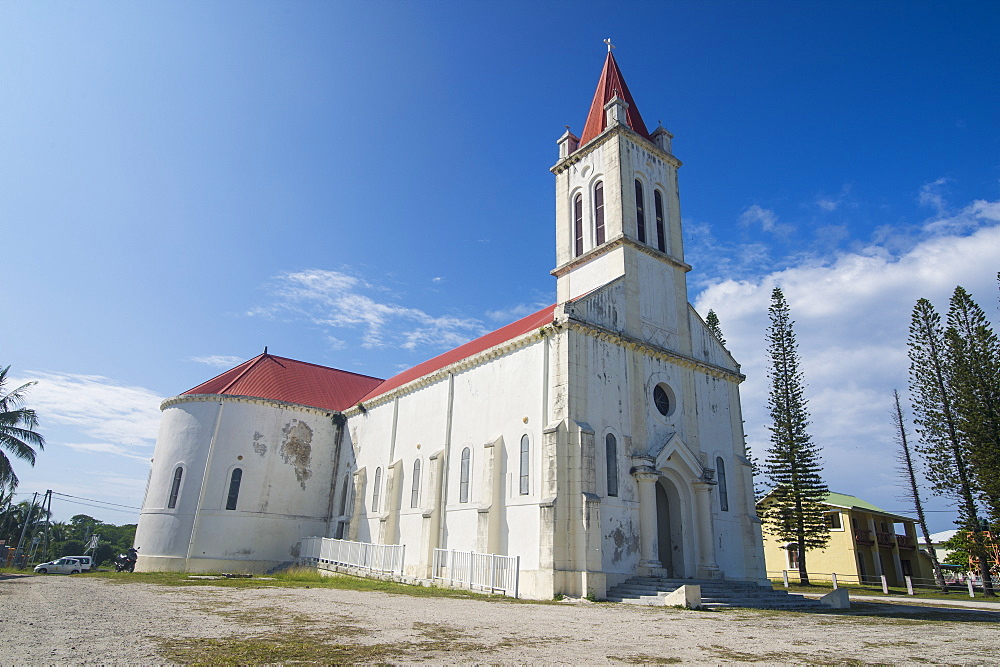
306 578
957 593
643 659
279 647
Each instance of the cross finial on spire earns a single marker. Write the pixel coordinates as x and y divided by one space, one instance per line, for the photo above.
610 45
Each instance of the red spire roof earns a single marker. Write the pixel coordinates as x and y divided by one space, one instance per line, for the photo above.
610 84
281 379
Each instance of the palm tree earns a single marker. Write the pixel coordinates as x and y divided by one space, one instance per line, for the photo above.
17 434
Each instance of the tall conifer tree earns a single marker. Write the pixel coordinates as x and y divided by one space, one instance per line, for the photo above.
712 320
941 445
908 468
793 511
974 355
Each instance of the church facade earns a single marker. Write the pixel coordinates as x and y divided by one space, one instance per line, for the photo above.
598 439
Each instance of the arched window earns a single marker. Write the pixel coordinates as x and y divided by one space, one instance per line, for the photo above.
720 468
661 239
343 493
375 489
525 462
599 212
463 482
175 487
234 488
611 454
578 224
640 215
415 487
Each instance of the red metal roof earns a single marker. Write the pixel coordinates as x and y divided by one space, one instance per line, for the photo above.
610 84
502 335
281 379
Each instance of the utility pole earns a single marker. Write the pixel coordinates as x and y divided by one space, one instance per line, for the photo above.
19 553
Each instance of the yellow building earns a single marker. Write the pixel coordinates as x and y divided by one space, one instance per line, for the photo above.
865 543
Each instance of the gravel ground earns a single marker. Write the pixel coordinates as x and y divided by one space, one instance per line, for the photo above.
73 620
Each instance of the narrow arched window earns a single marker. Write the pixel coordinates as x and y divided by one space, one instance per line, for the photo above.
611 454
234 488
415 487
463 482
720 468
599 212
525 462
375 489
343 494
175 487
640 214
578 224
661 238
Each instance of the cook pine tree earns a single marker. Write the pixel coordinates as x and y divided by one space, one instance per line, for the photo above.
793 512
942 445
907 467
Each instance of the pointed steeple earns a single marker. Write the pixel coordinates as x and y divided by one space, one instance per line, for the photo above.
611 85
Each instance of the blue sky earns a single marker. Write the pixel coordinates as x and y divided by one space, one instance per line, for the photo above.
362 185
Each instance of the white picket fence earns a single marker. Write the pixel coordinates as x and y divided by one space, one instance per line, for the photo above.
386 558
468 569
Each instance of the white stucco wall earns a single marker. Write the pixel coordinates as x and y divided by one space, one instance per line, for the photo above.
285 453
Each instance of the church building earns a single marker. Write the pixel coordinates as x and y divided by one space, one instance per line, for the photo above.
598 439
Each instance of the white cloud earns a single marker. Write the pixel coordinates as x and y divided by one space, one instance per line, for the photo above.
757 215
515 312
118 419
851 319
932 194
219 360
341 301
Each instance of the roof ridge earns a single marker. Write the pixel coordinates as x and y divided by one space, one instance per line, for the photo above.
331 368
250 366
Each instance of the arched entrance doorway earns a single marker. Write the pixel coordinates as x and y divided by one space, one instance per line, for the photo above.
669 528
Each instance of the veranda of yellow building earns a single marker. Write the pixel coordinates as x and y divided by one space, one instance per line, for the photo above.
866 542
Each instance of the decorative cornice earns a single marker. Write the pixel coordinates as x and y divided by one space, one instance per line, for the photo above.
599 332
255 400
442 373
613 130
617 242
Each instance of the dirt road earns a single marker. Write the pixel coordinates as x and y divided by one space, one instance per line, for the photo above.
63 619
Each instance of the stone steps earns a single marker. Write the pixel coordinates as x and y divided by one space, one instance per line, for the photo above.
714 594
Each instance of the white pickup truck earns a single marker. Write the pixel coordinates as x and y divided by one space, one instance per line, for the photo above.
66 565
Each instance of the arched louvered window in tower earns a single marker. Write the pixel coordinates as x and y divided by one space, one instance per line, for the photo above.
175 487
599 212
234 488
720 468
463 482
415 487
525 464
578 224
640 214
661 238
611 456
375 489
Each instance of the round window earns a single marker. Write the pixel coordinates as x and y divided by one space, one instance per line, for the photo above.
661 399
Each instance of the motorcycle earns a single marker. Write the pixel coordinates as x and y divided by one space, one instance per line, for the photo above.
126 562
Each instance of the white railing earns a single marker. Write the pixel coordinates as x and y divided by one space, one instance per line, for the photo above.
362 555
486 572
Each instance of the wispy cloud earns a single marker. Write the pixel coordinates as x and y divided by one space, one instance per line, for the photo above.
340 301
118 419
219 360
832 203
515 312
932 194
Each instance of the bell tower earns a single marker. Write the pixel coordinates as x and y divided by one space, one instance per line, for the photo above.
618 215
